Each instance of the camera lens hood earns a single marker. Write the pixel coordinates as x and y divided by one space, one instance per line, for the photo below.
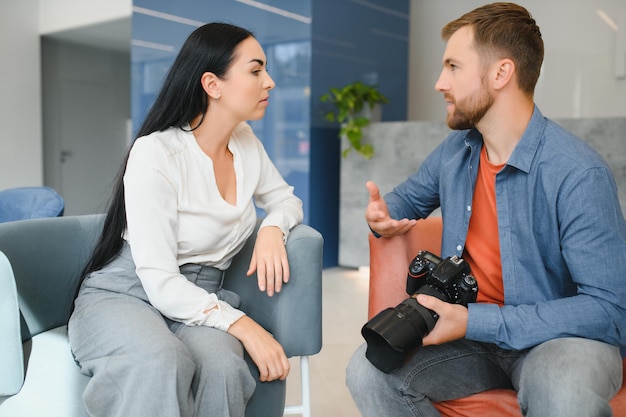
394 332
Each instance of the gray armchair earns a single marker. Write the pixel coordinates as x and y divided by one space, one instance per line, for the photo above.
40 262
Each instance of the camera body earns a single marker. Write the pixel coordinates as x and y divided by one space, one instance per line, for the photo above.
450 277
394 333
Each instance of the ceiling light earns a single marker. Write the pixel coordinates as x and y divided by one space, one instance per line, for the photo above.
276 10
167 16
607 19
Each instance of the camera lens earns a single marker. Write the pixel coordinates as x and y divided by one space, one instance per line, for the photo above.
394 332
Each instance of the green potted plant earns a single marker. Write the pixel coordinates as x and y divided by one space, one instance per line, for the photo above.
349 102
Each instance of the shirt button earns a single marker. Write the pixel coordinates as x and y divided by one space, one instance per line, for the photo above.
469 208
459 247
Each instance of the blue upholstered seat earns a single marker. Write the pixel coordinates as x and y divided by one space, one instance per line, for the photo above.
30 203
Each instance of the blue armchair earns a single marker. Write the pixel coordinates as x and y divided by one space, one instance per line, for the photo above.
40 262
30 203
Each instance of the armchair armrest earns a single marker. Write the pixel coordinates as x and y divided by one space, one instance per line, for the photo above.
293 316
11 354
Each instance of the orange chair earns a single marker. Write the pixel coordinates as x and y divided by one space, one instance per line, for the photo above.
389 259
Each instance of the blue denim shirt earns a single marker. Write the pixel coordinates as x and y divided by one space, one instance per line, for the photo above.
561 229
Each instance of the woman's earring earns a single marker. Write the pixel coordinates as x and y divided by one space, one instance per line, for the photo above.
217 98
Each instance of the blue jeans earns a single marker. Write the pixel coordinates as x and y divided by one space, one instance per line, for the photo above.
562 377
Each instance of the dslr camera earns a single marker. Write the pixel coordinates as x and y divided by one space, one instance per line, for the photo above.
395 333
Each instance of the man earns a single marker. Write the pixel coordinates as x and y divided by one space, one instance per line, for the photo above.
535 213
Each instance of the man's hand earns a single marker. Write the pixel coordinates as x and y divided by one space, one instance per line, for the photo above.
269 260
377 215
452 322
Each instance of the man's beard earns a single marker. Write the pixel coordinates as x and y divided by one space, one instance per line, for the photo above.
469 112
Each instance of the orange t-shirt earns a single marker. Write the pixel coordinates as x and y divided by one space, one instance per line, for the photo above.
482 247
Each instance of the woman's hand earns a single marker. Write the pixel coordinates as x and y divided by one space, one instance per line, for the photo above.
269 260
265 351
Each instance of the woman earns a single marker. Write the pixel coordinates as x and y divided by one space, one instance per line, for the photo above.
151 323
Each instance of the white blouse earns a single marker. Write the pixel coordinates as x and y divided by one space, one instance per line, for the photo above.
176 215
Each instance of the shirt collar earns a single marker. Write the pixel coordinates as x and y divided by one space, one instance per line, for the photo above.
526 148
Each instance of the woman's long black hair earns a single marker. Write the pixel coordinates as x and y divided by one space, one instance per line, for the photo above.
210 48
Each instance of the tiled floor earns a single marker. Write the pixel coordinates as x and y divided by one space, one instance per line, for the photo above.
344 313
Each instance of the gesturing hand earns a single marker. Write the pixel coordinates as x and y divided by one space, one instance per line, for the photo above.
377 215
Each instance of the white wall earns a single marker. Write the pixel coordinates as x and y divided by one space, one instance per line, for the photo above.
581 56
20 101
21 24
59 15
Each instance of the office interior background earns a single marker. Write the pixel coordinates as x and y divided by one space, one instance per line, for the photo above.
77 77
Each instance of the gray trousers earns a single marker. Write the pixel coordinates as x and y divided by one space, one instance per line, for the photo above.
143 364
